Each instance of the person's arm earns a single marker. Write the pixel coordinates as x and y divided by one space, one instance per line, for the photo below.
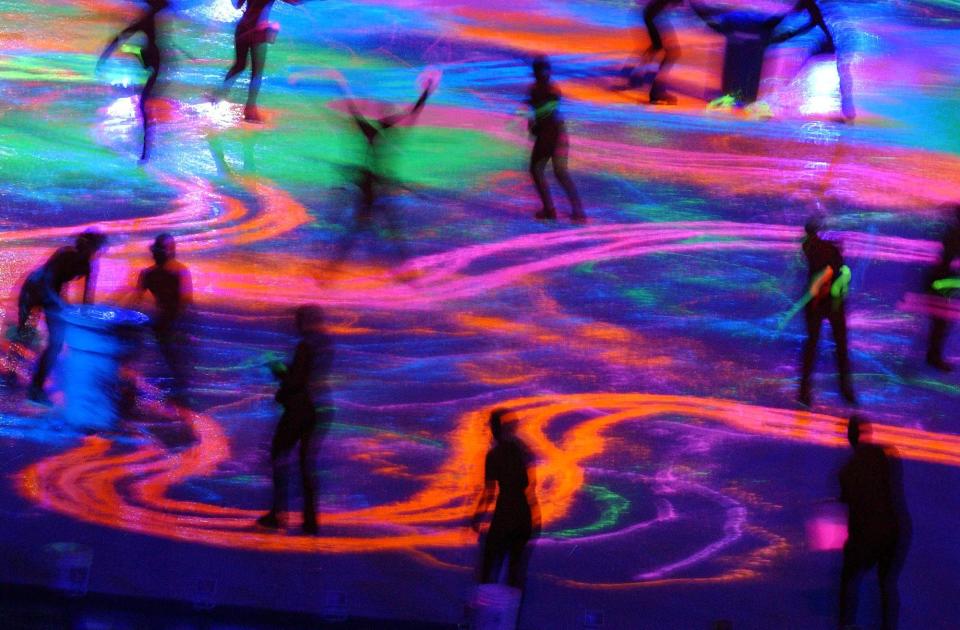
186 289
531 493
297 375
390 121
89 285
119 39
486 497
819 280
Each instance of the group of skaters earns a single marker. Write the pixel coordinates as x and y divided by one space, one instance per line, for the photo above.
868 481
254 32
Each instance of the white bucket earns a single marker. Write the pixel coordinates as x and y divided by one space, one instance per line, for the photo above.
496 607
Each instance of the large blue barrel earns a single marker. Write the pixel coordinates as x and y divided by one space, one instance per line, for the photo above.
98 339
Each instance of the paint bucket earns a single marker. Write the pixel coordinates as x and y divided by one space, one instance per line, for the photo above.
70 567
496 607
98 339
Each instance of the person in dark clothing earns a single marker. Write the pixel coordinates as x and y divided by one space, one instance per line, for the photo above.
550 142
508 476
663 44
878 525
151 58
307 413
42 290
168 281
254 31
941 283
828 282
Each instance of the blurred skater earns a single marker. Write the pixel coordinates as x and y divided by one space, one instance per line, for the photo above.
371 178
663 45
254 31
509 476
828 284
43 289
169 282
941 283
307 413
878 524
151 58
550 143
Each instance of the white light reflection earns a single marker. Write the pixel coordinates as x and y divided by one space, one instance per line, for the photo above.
821 89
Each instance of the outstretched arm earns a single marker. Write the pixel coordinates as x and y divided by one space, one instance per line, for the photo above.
390 121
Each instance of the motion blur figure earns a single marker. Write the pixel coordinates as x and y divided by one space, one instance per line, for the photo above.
663 45
942 284
43 289
254 31
151 58
509 475
371 179
878 524
169 282
307 414
550 143
828 282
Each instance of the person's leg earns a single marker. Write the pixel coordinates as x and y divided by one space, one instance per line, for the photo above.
306 461
241 50
516 570
658 93
538 163
259 60
888 574
145 96
171 345
849 583
813 320
494 549
838 323
284 439
55 336
563 176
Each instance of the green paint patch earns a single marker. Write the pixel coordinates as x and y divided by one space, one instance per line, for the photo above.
664 214
640 296
612 507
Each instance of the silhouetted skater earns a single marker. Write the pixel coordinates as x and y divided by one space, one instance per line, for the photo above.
371 179
878 525
254 31
42 290
307 413
663 44
168 281
828 283
509 475
942 283
151 58
550 143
